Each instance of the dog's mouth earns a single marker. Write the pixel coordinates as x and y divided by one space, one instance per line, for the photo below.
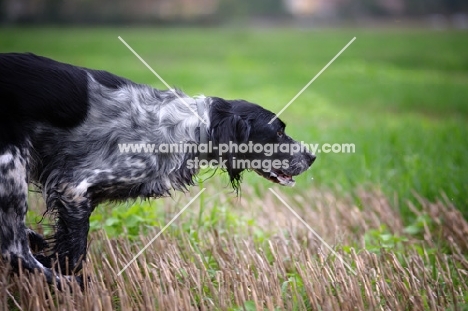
277 177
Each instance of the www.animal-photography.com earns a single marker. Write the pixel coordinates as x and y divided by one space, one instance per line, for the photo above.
220 155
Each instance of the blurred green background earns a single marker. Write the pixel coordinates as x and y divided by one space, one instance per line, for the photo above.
399 95
399 92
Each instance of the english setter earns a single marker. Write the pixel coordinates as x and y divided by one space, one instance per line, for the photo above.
61 127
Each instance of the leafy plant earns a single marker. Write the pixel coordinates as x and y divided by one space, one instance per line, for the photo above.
128 220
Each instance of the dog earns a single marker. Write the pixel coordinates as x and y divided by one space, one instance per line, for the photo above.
61 127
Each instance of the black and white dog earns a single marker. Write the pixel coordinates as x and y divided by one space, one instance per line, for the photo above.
61 127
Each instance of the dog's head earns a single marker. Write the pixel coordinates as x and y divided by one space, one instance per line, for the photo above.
244 140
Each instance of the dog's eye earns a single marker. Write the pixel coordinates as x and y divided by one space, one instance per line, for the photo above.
280 133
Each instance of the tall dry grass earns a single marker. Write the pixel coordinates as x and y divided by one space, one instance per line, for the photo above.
270 261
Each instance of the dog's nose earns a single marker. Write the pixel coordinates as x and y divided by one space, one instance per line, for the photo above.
310 158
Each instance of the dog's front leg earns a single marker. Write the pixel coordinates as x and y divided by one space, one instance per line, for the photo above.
72 226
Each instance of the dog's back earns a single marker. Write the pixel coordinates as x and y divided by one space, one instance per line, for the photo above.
38 89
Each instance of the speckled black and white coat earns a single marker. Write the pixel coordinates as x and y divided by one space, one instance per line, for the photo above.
60 126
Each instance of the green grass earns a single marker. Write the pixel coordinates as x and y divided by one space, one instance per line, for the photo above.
399 96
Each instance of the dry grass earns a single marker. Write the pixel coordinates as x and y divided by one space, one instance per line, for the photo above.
268 260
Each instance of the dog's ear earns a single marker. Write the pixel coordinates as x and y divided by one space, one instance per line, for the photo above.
229 129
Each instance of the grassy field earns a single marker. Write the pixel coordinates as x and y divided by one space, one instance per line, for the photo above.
393 209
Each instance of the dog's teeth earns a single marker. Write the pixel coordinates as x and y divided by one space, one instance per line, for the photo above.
286 181
272 174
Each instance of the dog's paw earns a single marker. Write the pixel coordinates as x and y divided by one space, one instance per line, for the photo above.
46 261
37 241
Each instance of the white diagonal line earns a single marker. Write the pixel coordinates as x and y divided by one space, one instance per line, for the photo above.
310 82
161 79
160 232
312 230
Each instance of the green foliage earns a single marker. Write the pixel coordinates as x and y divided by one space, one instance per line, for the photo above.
126 219
381 238
417 227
